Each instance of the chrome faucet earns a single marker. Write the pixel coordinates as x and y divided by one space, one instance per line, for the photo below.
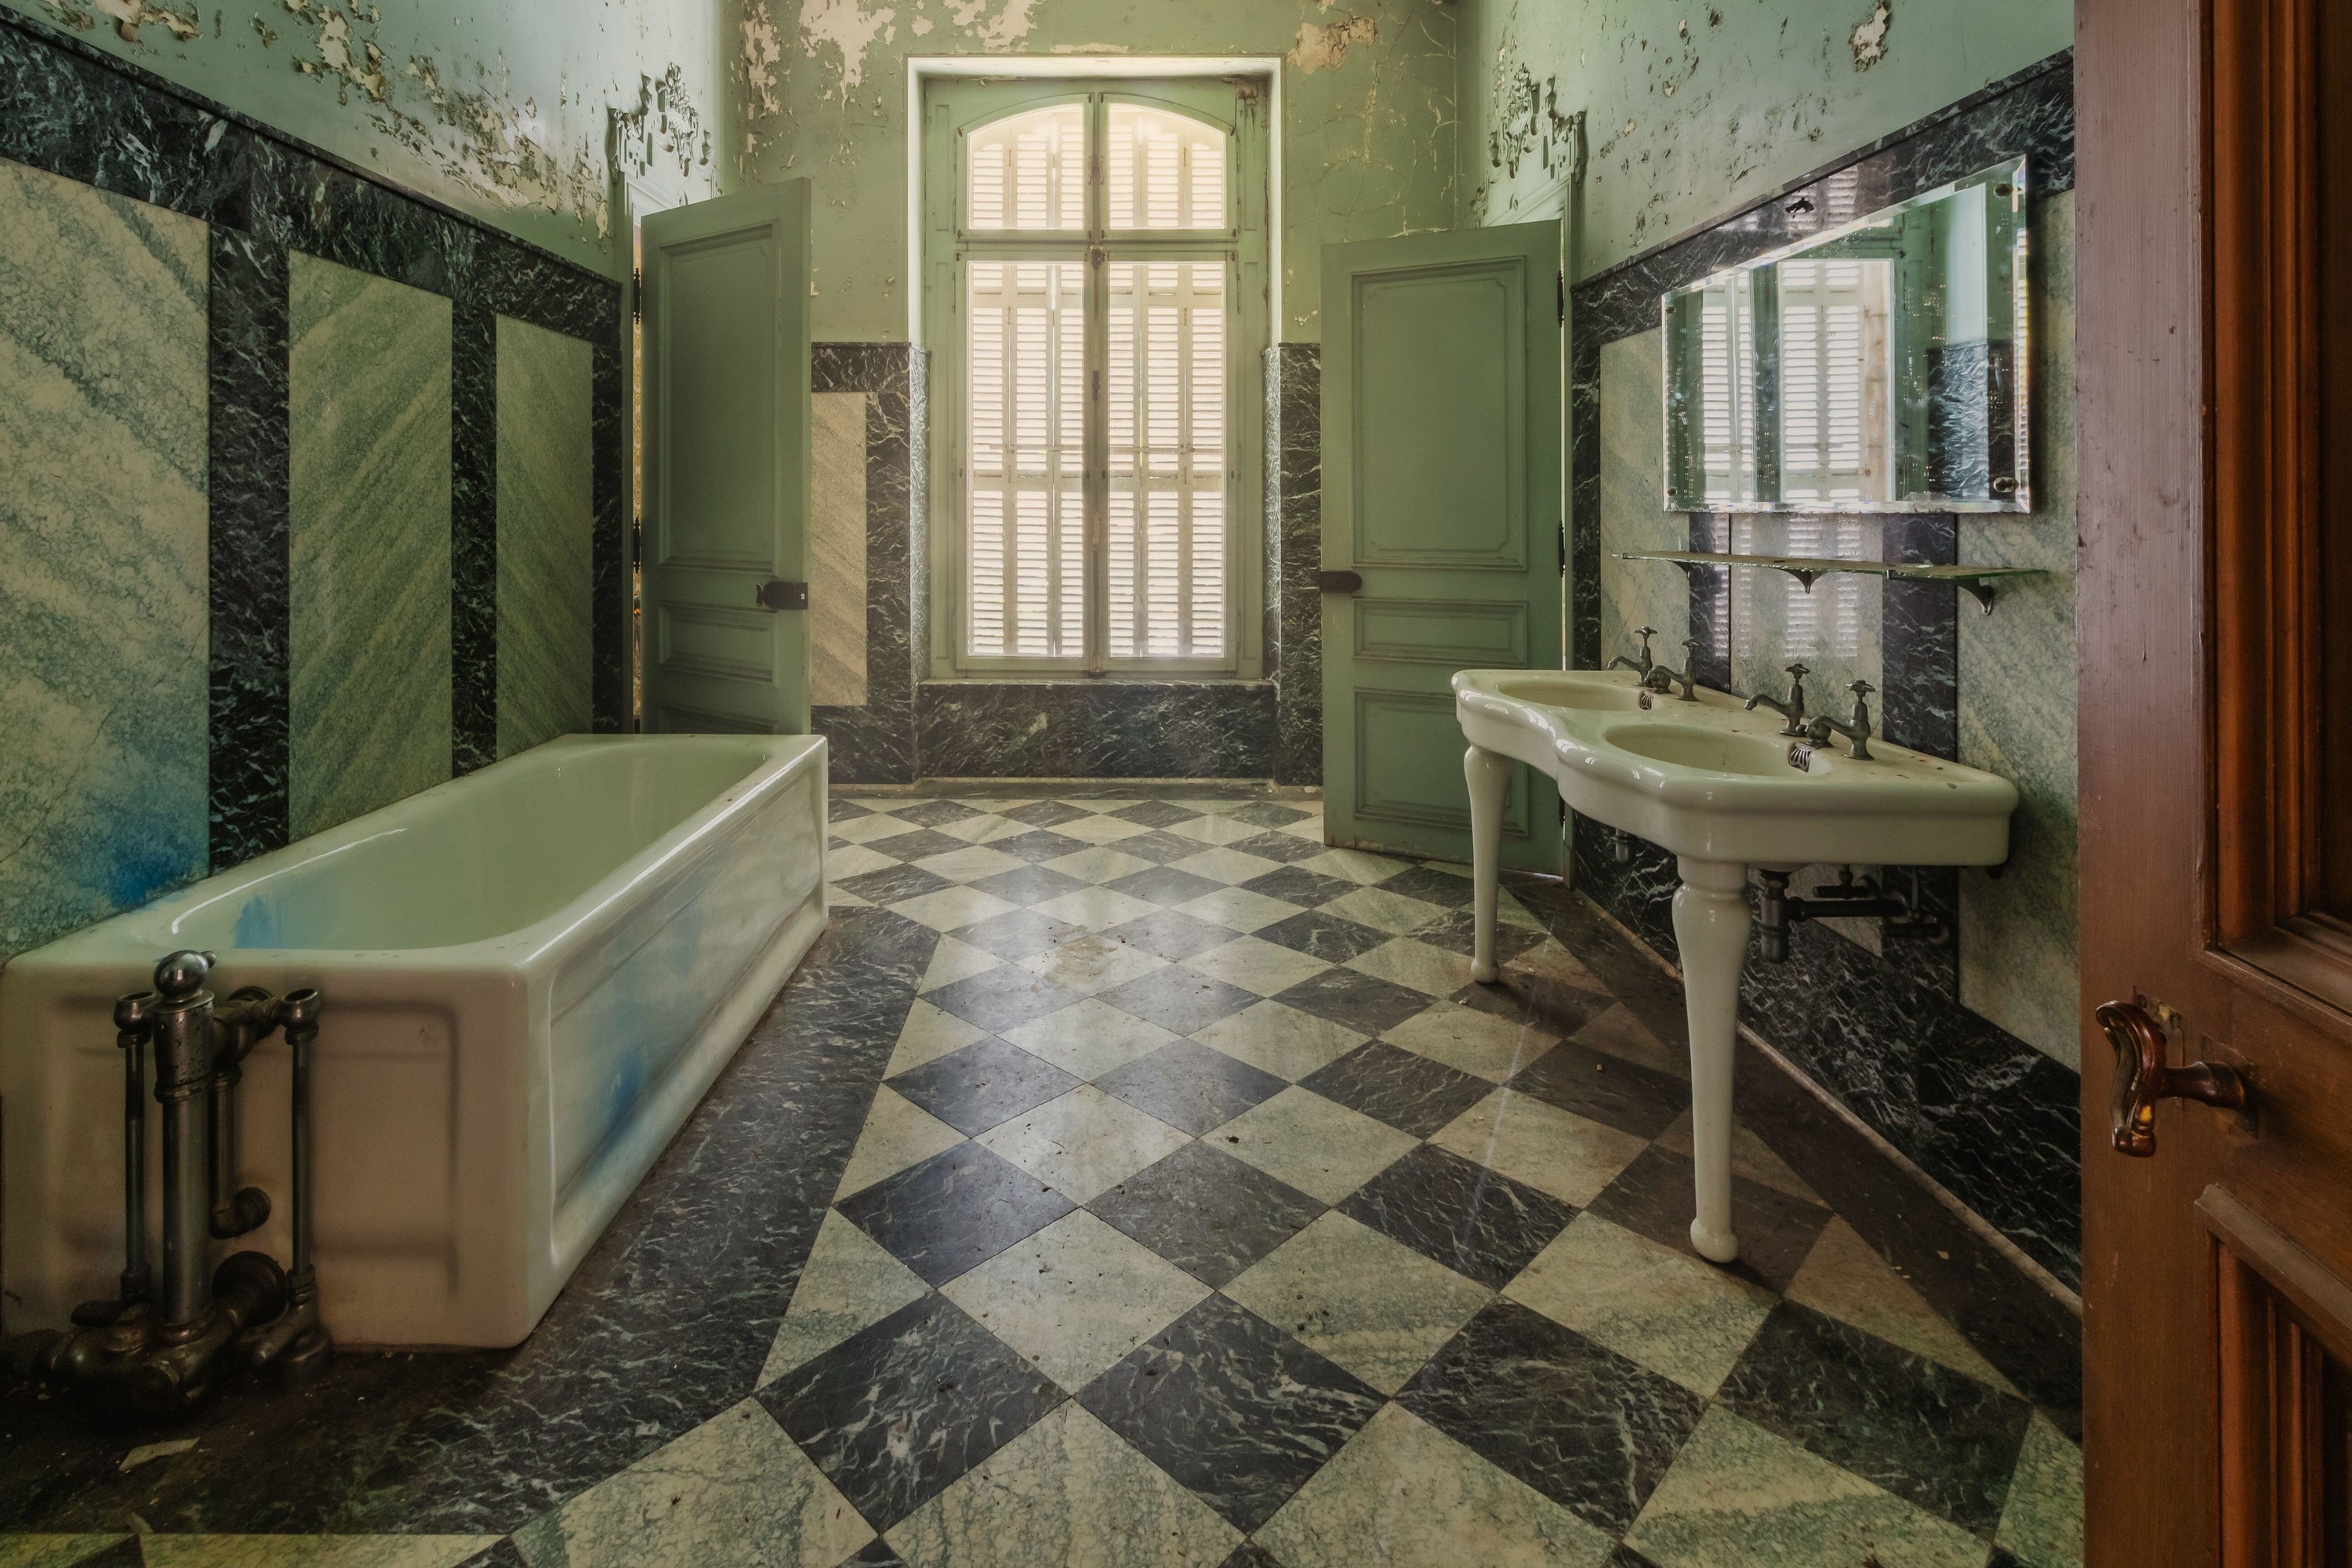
1663 678
1641 669
1793 709
1855 730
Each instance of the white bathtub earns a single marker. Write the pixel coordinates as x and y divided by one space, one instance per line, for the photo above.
531 975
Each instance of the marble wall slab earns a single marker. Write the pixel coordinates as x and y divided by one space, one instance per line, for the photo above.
104 439
546 513
2017 697
838 609
1293 522
1096 729
872 739
368 497
1959 1052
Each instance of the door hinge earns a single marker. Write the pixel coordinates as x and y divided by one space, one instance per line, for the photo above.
1563 296
1563 547
636 294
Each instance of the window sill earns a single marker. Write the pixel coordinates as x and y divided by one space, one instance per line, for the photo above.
1122 677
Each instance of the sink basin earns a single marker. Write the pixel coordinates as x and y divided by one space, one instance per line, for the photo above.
1553 692
1708 750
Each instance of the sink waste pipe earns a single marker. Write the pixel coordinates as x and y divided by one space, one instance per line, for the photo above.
162 1345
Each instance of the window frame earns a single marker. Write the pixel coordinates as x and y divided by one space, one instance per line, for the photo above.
953 108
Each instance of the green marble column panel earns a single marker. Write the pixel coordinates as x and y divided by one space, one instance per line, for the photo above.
1633 506
369 640
103 437
546 517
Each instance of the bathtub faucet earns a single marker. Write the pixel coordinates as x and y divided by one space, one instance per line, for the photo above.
162 1344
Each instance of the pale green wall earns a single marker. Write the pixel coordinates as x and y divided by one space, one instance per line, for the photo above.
1367 122
498 110
1698 107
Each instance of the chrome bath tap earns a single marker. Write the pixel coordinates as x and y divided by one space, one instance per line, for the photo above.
1793 709
1856 730
1642 667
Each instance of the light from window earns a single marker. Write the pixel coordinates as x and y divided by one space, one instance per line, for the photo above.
1026 590
1029 171
1165 172
1167 428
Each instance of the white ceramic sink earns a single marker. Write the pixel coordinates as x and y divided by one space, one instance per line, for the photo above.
1724 790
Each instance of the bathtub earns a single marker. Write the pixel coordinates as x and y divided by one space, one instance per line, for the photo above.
531 975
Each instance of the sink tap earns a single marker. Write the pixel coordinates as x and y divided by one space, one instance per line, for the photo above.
1663 678
1642 668
1793 709
1855 730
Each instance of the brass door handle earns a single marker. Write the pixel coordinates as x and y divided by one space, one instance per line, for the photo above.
778 594
2142 1079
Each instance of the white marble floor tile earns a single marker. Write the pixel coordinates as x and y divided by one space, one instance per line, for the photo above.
1099 829
1751 1158
930 1034
1431 970
1324 1149
1082 1142
1089 964
1278 1039
1845 1278
1355 865
952 909
2042 1526
1099 863
1263 967
1097 909
1375 1307
1476 1043
1384 910
1090 1039
850 1282
1238 909
733 1491
986 828
865 829
1552 1151
969 865
1738 1497
1075 1298
1066 1493
1216 829
1401 1494
848 860
953 961
1618 1030
309 1550
1221 864
898 1133
1675 1315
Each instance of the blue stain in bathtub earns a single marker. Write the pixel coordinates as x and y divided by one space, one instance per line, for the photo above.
146 868
258 924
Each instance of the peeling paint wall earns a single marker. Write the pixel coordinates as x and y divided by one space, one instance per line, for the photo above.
505 112
1696 107
819 88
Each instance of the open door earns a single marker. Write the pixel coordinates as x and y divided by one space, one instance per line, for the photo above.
2214 365
725 591
1443 523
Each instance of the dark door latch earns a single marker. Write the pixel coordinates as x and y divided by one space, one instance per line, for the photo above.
775 594
1339 582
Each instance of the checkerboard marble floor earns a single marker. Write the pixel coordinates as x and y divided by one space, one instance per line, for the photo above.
1206 1214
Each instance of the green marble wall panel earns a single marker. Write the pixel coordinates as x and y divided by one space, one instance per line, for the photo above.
369 640
1632 516
837 550
104 430
546 517
2018 694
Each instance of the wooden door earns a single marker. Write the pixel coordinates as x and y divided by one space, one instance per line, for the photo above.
2215 615
725 591
1444 518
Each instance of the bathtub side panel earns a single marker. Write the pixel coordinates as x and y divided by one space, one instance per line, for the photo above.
649 1011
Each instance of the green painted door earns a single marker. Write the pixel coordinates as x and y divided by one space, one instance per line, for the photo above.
1442 491
726 389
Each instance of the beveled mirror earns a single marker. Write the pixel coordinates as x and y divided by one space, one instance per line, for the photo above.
1880 366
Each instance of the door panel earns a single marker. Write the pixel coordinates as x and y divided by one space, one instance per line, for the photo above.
726 462
1442 491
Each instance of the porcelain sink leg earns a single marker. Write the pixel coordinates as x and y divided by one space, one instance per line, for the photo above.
1711 928
1489 776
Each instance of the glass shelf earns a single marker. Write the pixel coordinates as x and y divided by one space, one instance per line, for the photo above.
1980 581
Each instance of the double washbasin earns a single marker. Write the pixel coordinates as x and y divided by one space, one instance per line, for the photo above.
1707 779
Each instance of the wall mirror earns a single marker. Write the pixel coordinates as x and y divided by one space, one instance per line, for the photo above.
1880 366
